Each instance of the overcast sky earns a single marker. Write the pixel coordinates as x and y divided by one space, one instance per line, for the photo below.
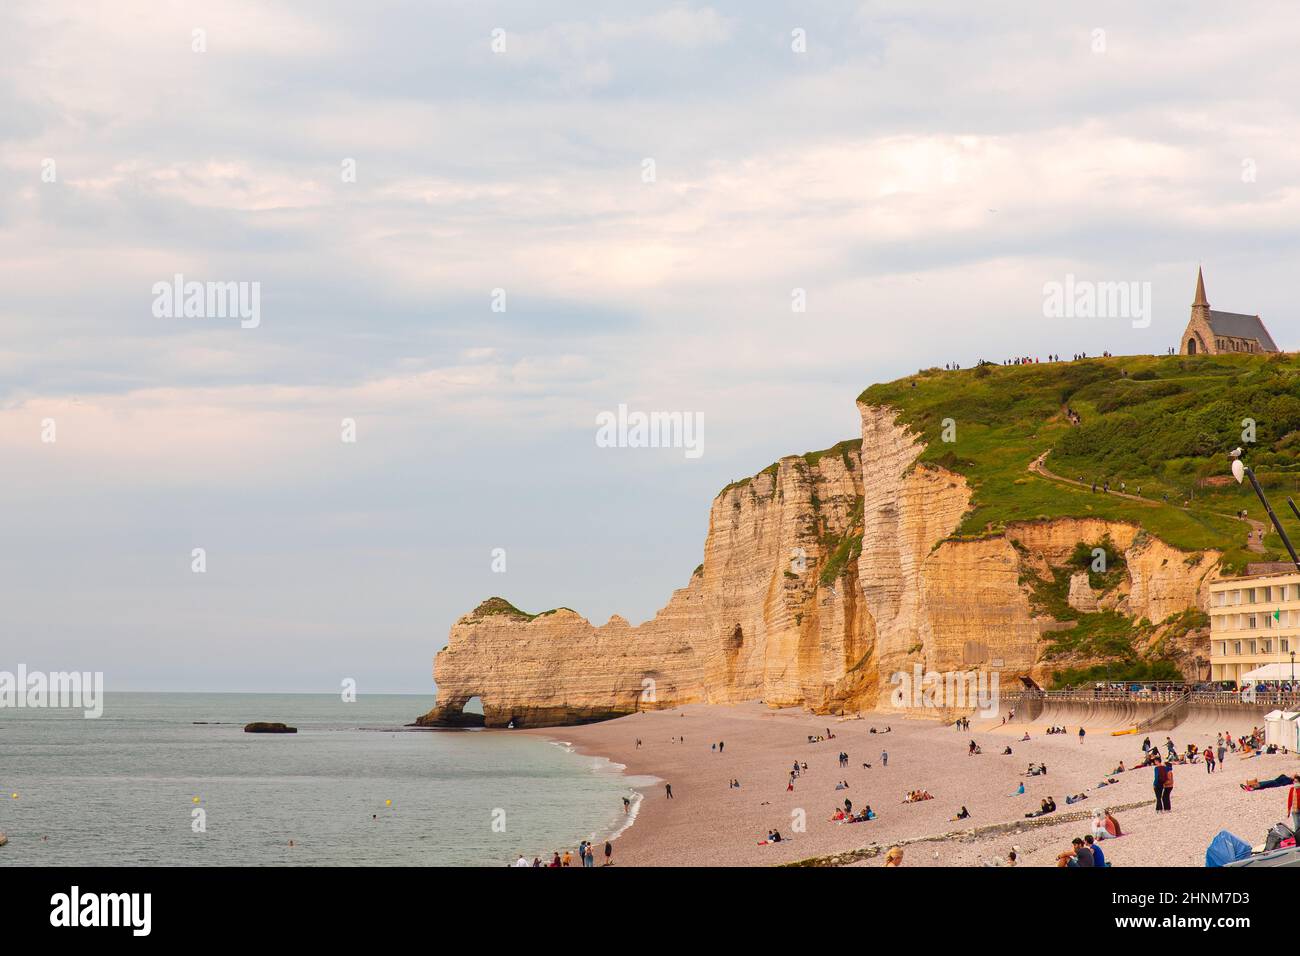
919 170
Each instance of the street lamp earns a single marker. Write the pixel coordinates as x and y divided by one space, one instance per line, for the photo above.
1239 470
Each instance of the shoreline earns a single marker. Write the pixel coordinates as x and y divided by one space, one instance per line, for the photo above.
709 823
613 767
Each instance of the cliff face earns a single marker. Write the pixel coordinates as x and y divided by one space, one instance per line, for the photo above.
822 576
759 620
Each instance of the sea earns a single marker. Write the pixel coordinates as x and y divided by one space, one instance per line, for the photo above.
173 780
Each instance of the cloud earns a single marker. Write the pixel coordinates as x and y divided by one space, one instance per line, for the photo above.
917 173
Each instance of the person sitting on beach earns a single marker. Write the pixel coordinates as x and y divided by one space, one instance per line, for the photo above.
962 814
1048 806
1098 858
1025 737
1079 855
1014 856
1120 768
841 785
1075 797
773 836
1020 791
1112 825
837 816
894 857
1006 752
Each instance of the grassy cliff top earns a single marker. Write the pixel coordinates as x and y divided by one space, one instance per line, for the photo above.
1161 424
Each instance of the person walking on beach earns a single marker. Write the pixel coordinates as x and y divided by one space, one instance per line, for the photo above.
1293 804
1209 760
1080 735
884 758
609 852
668 791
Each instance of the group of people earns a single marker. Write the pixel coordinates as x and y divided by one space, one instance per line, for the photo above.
586 854
1047 806
1084 851
848 816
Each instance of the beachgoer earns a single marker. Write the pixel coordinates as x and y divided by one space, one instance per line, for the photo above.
1098 858
609 852
668 790
1112 825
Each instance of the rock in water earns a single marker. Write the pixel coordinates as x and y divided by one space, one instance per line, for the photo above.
262 727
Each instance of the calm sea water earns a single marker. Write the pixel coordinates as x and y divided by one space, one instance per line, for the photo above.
120 790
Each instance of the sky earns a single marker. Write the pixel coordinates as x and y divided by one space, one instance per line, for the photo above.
476 226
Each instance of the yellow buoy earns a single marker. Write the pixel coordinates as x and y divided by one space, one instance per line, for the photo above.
387 803
196 799
14 795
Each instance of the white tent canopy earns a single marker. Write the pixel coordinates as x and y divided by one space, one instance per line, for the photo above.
1270 672
1282 729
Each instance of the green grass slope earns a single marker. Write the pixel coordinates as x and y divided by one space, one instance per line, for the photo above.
1163 424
